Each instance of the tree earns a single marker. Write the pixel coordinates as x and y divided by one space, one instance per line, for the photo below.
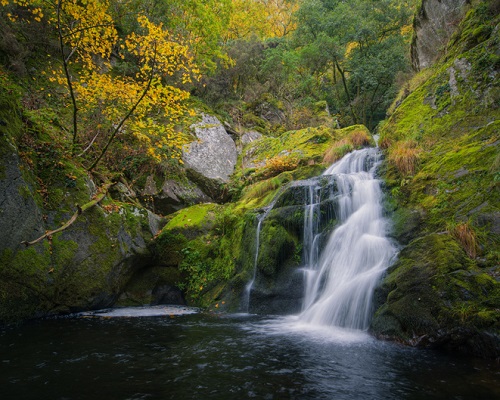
358 46
116 85
261 18
128 83
200 23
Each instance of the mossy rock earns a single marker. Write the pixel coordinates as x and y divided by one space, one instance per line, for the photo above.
434 290
84 267
277 249
152 285
193 221
449 113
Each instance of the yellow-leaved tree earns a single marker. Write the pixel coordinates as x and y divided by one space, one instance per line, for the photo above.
143 100
118 88
262 18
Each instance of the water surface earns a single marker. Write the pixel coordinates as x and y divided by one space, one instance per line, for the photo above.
225 357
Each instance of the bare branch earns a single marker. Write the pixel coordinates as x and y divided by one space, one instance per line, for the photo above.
96 200
90 145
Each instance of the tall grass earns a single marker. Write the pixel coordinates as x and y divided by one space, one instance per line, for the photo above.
337 151
359 138
405 155
466 236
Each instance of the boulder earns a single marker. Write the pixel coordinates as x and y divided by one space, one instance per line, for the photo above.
246 138
434 24
172 196
250 137
434 296
211 159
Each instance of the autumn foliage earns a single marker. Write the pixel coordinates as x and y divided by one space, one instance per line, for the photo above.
129 85
261 18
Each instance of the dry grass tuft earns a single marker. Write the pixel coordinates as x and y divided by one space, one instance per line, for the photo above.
337 151
466 236
359 138
384 143
405 156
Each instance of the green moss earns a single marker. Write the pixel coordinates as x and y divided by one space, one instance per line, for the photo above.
24 278
206 250
63 251
277 248
457 131
10 114
199 216
253 121
167 248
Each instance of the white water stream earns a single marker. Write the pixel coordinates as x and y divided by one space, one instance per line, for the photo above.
339 284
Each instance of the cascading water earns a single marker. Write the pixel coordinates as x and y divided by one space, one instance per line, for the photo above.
338 278
245 303
339 285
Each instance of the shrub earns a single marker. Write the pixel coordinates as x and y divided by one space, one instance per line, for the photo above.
278 164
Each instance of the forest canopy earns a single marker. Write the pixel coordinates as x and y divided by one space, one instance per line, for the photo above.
119 73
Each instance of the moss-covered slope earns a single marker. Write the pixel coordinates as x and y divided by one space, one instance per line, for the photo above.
443 171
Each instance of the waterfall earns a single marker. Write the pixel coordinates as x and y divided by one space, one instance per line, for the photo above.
245 302
339 284
310 242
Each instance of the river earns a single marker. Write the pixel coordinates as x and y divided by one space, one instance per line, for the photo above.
239 356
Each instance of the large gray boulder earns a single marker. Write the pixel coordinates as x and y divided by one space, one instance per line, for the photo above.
435 22
211 159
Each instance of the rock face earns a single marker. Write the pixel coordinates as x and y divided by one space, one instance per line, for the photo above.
84 267
211 159
434 24
279 282
19 215
172 196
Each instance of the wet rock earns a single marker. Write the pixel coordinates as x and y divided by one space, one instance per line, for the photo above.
285 297
20 217
167 294
81 268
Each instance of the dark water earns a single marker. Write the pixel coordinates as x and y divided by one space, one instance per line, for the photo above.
224 357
